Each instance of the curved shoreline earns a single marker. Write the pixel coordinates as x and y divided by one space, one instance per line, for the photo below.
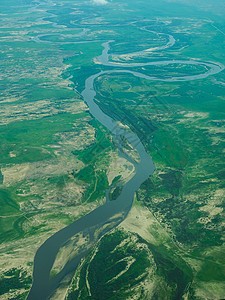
214 68
46 254
112 212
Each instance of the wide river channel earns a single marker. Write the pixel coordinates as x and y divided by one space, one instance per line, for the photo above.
111 212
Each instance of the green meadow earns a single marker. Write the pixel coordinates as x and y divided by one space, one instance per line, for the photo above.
57 161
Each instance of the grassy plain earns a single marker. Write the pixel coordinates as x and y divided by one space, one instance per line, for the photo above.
181 125
48 139
56 161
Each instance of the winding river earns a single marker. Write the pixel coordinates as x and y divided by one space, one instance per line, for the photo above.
110 214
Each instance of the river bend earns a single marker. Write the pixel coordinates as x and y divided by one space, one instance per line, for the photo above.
111 213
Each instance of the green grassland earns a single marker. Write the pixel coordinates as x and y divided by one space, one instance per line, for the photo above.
43 181
182 127
130 263
16 278
55 156
186 142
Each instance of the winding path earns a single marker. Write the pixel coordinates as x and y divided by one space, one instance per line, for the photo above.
109 215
